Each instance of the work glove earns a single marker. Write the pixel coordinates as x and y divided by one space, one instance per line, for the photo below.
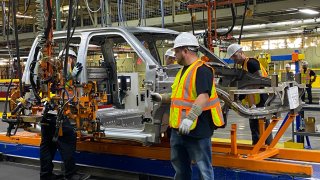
185 125
156 97
76 70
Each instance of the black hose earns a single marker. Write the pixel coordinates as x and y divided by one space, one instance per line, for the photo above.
65 65
243 18
26 10
4 115
32 66
14 11
74 25
234 18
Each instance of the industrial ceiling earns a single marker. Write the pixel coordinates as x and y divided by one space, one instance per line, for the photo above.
266 17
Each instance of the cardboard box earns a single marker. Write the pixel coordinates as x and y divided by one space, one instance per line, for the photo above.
310 125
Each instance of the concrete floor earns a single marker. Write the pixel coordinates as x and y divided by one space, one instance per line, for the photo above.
14 171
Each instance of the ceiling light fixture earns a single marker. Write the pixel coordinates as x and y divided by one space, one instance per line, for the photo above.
66 8
309 11
24 16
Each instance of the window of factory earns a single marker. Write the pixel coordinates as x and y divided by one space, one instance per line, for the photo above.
261 45
247 45
277 44
294 42
311 42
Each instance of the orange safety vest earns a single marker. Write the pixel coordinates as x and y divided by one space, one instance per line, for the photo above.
305 76
253 99
184 94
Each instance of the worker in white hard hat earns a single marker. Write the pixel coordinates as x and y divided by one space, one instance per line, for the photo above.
253 66
66 144
74 67
308 76
170 57
289 73
194 112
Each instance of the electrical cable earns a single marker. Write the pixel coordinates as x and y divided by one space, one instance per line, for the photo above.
88 7
14 11
66 49
234 18
243 18
90 15
26 7
4 115
73 25
24 13
59 116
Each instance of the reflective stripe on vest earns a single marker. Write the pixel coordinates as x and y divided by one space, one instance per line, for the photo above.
253 99
184 94
305 76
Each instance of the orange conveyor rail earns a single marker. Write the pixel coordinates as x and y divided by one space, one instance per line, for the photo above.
259 158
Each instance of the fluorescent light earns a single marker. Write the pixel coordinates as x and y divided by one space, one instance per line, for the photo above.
3 64
309 11
62 20
2 60
66 8
23 16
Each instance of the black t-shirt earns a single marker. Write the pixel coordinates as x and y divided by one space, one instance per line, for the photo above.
312 73
253 65
204 80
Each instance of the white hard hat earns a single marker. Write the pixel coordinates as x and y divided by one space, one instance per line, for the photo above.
304 63
170 53
288 66
186 39
233 48
71 53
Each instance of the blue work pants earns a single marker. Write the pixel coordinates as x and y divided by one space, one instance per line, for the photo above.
185 149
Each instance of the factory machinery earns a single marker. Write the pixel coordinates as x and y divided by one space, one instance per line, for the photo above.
44 89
